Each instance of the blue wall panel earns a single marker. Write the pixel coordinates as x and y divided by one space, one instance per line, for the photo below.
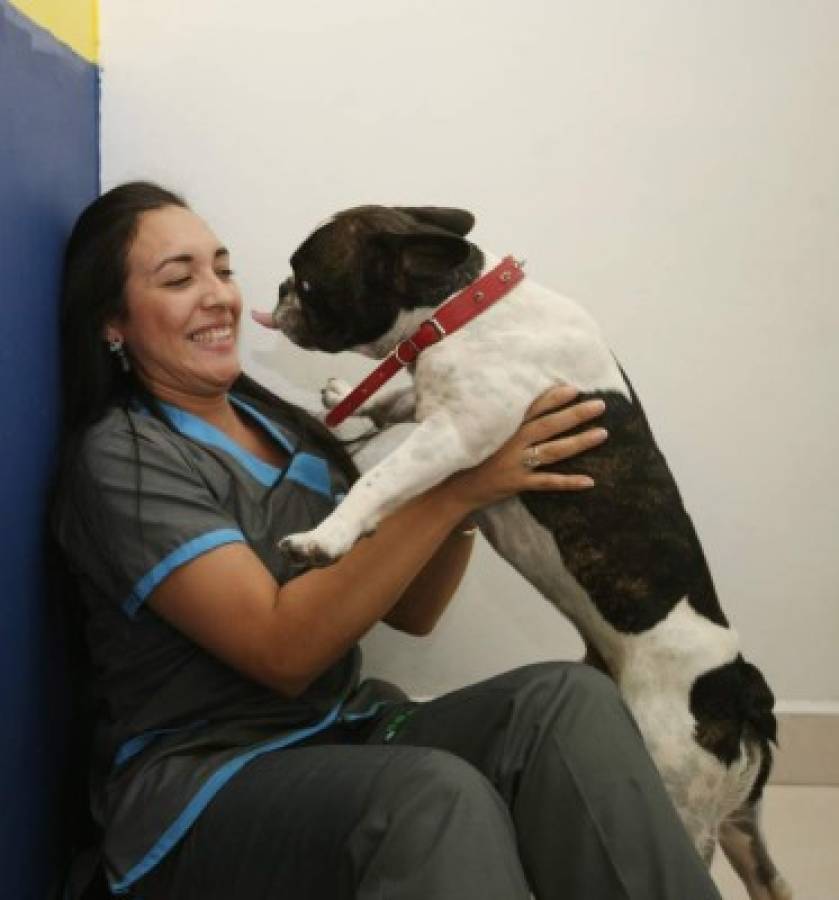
48 172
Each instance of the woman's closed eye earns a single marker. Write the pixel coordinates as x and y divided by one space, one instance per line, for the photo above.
222 274
178 282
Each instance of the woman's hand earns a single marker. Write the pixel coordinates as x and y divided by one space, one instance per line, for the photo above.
516 465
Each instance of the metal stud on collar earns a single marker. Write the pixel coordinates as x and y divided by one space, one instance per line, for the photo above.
440 330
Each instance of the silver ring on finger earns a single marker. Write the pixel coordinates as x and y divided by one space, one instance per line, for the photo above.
531 458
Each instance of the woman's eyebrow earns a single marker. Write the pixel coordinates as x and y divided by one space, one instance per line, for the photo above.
188 258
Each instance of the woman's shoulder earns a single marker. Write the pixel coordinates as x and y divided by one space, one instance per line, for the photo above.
122 431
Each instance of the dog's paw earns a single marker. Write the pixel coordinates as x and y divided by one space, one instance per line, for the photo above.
299 551
319 547
335 390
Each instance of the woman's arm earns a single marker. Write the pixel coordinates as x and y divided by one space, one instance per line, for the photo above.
286 636
418 610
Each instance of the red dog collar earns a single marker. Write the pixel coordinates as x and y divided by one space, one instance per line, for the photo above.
453 314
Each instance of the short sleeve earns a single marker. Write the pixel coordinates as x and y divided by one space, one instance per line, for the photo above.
141 508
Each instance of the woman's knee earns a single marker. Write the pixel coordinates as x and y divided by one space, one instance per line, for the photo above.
426 790
429 803
568 683
427 830
590 682
574 702
439 780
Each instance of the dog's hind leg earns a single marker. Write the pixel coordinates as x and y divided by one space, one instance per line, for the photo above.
742 842
593 658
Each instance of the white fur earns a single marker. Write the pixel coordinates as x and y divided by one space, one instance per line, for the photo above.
472 390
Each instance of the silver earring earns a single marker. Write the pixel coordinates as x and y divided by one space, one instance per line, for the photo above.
116 345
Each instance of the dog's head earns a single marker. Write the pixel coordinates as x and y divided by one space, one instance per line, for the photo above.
353 277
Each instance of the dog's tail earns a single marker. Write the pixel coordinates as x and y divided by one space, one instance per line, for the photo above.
733 703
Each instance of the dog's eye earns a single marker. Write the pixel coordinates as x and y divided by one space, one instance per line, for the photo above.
305 286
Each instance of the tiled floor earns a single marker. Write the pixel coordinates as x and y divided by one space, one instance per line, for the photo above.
802 831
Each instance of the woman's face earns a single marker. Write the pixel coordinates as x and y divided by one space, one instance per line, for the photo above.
182 307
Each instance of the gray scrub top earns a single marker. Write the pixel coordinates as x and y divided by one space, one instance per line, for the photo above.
177 723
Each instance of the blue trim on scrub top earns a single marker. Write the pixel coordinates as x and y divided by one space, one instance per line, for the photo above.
180 555
304 468
206 793
265 422
130 748
311 471
196 428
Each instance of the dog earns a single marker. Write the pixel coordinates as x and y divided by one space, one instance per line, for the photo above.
622 561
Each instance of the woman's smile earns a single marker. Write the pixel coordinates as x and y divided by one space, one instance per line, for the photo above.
214 337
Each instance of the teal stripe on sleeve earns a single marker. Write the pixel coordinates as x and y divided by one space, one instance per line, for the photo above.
179 556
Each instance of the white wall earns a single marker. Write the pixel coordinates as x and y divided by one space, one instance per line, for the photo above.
673 165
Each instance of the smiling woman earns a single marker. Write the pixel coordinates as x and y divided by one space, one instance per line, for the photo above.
213 654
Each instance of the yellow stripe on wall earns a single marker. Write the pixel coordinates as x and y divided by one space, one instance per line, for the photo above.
73 22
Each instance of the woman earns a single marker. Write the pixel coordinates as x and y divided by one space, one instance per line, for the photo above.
236 755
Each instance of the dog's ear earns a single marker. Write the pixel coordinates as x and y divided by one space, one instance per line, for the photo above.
411 261
458 221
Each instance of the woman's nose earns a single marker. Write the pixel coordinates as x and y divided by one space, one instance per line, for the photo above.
220 291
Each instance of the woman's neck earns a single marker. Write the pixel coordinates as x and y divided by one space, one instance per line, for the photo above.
215 408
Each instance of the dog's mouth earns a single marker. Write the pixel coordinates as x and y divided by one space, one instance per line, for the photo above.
264 318
290 322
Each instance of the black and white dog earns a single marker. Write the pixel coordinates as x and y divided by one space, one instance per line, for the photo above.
622 561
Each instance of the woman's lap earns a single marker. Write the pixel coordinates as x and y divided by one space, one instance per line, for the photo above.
313 822
532 767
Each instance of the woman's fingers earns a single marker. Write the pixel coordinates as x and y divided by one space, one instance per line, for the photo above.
558 422
546 441
538 455
553 481
557 449
556 396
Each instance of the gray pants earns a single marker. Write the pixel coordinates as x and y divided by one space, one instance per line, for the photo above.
534 781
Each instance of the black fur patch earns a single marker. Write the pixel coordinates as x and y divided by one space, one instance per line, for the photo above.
732 703
629 541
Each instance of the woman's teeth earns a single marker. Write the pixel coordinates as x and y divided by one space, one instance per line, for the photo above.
212 335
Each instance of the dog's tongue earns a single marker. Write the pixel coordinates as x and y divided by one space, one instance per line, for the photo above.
263 318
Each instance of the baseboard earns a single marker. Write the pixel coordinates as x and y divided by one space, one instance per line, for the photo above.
808 744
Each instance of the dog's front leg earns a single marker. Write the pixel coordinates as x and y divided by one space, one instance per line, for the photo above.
391 408
434 450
